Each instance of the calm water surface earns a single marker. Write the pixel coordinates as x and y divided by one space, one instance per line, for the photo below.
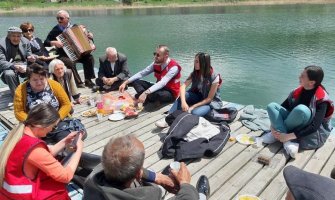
259 50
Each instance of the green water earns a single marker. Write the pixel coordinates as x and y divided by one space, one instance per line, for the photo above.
259 50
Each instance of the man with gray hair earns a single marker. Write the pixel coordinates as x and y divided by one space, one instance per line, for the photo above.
15 52
63 19
122 176
113 70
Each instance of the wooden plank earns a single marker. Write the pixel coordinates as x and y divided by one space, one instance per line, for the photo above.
242 177
320 157
277 188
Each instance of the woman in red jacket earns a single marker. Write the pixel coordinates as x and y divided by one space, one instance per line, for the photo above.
28 168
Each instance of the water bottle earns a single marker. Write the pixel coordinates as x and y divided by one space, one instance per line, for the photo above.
100 106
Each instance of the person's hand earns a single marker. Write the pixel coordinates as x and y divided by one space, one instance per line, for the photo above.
110 81
57 44
166 182
20 68
122 87
90 35
183 175
184 106
68 139
284 137
31 58
104 80
142 97
190 109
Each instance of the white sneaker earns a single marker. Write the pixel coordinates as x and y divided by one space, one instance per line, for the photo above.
161 123
268 138
10 104
291 148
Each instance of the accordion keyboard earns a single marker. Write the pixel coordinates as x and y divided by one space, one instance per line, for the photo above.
67 48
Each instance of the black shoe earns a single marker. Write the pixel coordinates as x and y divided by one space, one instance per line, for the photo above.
203 186
95 88
80 85
89 83
332 175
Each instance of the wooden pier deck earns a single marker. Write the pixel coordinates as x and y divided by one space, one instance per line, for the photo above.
233 172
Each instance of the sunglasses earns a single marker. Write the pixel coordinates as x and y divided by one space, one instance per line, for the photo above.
28 30
60 18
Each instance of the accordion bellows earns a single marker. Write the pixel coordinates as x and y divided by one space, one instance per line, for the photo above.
75 43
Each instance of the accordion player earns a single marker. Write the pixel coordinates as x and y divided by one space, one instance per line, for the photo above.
75 42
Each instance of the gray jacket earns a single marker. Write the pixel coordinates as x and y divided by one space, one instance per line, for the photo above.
96 187
5 44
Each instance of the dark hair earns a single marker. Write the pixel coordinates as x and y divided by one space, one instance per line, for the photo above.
315 73
36 69
205 65
42 114
26 25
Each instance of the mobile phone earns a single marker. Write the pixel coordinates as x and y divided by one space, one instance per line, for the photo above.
73 145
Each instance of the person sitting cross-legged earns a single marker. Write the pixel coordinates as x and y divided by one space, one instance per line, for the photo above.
167 72
122 177
112 72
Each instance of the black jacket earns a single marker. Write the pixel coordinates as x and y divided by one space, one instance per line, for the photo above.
175 146
98 188
120 68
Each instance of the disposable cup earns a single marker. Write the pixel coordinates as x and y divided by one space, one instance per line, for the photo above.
259 142
175 165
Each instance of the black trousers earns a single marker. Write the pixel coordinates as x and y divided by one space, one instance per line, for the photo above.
162 95
113 87
88 65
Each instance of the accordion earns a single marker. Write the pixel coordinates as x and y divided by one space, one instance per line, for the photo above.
75 43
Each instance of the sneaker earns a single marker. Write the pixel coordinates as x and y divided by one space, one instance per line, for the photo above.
203 187
268 138
291 148
10 104
162 123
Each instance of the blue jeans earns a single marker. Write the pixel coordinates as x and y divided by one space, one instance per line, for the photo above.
191 99
285 121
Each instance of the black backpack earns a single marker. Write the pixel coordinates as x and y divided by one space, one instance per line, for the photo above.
227 114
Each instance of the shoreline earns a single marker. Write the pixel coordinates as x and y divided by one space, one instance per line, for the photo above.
136 5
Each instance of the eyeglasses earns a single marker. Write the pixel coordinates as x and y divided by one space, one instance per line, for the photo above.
60 18
156 54
28 30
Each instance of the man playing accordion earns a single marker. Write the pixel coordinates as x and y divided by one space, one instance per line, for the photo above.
87 60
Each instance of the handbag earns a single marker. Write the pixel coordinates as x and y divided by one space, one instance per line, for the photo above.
64 128
227 114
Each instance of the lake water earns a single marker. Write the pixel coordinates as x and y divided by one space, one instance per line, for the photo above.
259 50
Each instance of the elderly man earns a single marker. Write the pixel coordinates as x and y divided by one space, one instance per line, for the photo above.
113 70
15 51
122 176
167 72
63 19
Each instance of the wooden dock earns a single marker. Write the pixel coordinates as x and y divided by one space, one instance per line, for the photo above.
233 172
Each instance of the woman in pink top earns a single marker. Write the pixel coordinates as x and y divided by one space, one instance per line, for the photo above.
28 168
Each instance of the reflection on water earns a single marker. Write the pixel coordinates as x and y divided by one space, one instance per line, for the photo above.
259 50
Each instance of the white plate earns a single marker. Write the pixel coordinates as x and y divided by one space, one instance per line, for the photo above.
245 196
116 117
245 139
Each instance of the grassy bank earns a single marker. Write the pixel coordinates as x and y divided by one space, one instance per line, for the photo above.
30 5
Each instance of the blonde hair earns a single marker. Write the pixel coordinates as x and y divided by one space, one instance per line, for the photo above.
7 147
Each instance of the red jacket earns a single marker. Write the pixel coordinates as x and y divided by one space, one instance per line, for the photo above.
17 186
174 84
319 96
